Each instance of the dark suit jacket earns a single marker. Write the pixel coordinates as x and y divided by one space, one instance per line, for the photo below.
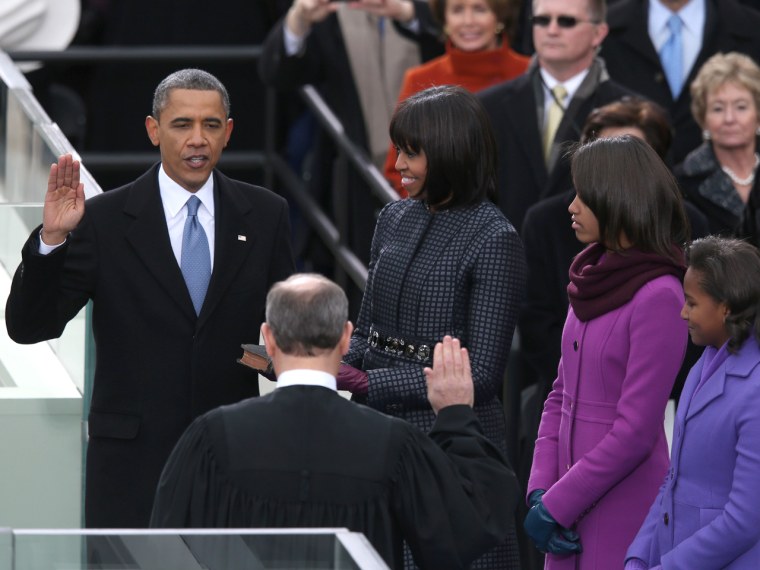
158 365
514 110
326 462
632 60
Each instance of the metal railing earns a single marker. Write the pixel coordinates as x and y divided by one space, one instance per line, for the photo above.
277 173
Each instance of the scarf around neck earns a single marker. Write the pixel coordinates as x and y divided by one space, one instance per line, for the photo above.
601 281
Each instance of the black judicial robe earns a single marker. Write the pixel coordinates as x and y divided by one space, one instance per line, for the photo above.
303 456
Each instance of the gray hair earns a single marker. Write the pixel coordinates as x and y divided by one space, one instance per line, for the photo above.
194 79
306 313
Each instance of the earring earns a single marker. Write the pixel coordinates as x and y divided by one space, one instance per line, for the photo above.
500 29
707 136
446 31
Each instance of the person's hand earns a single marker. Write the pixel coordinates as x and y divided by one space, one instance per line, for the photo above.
564 541
64 201
535 497
400 10
304 13
546 532
449 381
540 525
352 379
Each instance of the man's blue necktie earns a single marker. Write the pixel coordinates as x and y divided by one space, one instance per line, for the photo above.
196 259
671 56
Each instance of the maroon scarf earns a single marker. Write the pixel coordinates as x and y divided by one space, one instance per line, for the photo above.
600 284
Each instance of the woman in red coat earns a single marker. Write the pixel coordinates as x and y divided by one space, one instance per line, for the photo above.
477 56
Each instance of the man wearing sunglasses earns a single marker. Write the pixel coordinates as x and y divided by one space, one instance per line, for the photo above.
533 121
635 47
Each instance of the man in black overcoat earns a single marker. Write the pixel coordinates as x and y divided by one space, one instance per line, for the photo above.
519 108
161 360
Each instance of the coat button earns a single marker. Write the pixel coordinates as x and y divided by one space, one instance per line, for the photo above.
665 518
575 345
659 77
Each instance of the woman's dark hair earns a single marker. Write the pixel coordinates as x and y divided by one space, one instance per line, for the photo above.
632 194
450 126
729 272
632 112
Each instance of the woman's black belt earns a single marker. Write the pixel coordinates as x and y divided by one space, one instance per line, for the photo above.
399 346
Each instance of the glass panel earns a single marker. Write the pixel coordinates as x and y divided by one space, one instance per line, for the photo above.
41 385
192 549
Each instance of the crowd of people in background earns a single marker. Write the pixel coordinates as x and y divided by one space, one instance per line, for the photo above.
579 208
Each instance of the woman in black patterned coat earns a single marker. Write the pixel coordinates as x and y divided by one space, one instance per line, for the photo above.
445 261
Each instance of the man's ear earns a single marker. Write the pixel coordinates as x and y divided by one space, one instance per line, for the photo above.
345 338
271 345
151 126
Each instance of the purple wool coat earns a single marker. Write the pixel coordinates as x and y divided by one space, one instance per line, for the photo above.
601 451
709 498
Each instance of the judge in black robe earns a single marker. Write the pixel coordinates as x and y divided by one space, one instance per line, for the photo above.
303 456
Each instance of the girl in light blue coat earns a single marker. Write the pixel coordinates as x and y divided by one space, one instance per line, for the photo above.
706 515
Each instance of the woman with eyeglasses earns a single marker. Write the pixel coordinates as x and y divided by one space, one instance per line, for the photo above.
444 261
601 450
477 56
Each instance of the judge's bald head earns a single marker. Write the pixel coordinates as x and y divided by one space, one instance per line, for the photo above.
307 314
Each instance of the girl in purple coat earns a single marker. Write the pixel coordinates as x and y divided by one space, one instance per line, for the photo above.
601 450
706 514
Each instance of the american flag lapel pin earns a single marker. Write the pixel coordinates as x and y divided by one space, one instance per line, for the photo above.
242 238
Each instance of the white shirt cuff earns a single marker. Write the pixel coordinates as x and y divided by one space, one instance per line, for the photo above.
44 248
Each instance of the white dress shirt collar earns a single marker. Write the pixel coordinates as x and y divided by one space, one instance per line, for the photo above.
571 85
174 197
303 377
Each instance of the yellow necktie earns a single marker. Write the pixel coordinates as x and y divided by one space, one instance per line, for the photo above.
553 118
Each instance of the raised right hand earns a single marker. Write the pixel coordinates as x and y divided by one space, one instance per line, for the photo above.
449 381
64 201
304 13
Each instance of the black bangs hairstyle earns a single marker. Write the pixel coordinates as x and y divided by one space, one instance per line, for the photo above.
449 125
728 270
631 192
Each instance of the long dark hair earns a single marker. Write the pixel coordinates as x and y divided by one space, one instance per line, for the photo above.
631 192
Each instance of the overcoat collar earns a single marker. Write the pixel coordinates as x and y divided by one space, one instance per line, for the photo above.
738 367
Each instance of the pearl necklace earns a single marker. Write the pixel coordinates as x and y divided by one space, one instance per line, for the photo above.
743 181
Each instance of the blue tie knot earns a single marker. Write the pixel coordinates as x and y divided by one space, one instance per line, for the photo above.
193 204
675 24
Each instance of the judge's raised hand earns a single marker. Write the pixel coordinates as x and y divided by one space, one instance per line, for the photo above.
64 201
449 381
304 13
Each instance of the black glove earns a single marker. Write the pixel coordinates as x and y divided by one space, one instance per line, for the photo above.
535 497
546 532
564 541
